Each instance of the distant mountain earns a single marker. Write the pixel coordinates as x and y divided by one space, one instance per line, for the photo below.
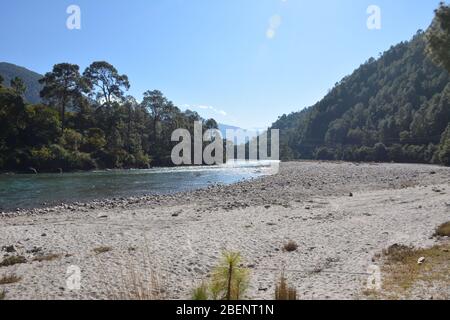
31 79
224 127
394 108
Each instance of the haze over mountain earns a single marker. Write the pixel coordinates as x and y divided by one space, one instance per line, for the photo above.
31 79
395 108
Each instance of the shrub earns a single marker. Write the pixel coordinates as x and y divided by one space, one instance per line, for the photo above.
229 280
48 257
13 260
444 147
290 246
443 230
80 161
95 140
200 293
9 279
283 291
71 140
324 153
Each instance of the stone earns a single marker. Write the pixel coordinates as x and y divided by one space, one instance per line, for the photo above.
9 249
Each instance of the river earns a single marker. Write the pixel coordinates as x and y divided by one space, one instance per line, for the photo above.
31 191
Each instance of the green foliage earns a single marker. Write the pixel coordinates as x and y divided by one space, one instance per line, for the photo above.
395 108
18 86
444 148
71 140
73 132
438 36
200 293
229 280
63 88
106 83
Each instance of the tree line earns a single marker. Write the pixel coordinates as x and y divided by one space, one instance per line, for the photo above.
395 108
87 121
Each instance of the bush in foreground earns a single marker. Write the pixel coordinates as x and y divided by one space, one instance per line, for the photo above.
229 280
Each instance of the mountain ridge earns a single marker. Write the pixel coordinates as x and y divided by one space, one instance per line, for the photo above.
394 108
31 79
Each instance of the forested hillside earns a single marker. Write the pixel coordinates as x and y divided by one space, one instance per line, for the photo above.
30 79
87 121
395 108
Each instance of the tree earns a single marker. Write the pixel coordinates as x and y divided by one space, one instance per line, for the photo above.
155 102
438 37
94 140
63 87
12 125
444 149
42 125
401 101
211 124
18 86
1 80
106 84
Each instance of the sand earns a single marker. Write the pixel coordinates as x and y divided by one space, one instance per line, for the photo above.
340 214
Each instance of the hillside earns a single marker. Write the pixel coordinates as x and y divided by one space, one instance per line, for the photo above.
9 71
394 108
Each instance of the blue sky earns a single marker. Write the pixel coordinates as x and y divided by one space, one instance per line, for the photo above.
220 57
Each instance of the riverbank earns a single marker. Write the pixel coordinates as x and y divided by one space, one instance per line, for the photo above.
341 215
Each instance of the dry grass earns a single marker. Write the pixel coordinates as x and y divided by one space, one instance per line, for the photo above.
201 293
10 261
2 294
139 280
283 291
140 285
100 250
402 275
47 257
290 246
443 230
9 279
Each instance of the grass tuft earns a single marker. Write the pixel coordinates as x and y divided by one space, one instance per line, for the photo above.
443 230
402 274
200 293
10 261
9 279
47 257
283 291
2 294
100 250
291 246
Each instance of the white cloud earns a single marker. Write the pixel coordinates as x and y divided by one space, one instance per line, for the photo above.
204 107
274 24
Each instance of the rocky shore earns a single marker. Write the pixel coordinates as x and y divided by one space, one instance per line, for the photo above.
339 214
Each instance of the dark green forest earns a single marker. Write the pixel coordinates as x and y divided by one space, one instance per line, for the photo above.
87 121
394 108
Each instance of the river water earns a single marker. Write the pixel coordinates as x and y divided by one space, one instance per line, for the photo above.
30 191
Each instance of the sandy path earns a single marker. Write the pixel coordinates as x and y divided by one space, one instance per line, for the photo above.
182 236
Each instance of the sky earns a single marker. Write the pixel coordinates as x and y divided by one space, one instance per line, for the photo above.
242 62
